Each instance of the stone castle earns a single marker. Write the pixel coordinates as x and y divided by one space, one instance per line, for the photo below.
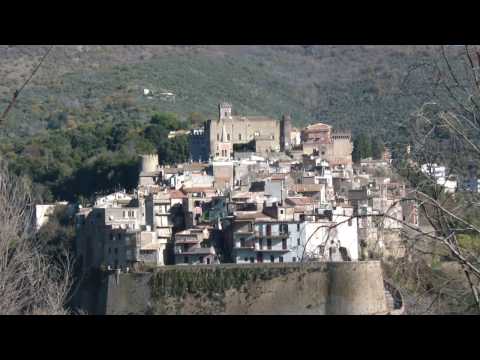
220 138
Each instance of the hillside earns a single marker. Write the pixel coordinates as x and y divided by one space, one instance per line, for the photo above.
358 87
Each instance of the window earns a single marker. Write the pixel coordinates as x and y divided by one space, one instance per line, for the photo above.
115 251
280 259
218 137
294 259
242 242
298 241
226 114
239 136
200 259
321 249
269 244
269 230
349 222
272 258
298 227
208 261
260 244
246 259
281 211
185 259
228 137
284 244
252 259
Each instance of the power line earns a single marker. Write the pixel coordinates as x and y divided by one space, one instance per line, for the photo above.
17 92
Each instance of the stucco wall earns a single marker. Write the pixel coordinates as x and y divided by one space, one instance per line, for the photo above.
315 288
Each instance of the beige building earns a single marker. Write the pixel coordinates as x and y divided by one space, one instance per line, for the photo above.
228 130
334 147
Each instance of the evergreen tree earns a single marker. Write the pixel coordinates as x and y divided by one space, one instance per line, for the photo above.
377 148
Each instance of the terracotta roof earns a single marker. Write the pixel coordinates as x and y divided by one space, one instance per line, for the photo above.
252 215
278 176
176 194
300 200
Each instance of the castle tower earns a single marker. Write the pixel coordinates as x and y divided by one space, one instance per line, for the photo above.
225 111
149 163
285 132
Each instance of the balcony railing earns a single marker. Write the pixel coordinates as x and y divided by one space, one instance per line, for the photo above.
265 249
191 240
272 236
246 245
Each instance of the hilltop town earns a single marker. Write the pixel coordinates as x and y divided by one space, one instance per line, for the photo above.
257 190
339 190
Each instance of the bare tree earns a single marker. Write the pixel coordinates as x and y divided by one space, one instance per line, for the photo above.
30 283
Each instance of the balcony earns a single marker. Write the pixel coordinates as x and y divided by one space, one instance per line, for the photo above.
272 236
249 244
265 249
195 251
244 232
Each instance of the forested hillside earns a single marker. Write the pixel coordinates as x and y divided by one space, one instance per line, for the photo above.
366 88
78 163
78 127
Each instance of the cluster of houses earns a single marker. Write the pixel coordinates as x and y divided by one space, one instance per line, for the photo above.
257 190
450 182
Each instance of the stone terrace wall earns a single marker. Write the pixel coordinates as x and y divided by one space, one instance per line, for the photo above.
315 288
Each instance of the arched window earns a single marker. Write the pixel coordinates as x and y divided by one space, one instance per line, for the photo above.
228 137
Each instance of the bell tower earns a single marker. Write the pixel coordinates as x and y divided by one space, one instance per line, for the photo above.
225 111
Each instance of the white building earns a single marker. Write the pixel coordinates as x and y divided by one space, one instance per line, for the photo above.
449 184
43 213
116 199
326 239
433 170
